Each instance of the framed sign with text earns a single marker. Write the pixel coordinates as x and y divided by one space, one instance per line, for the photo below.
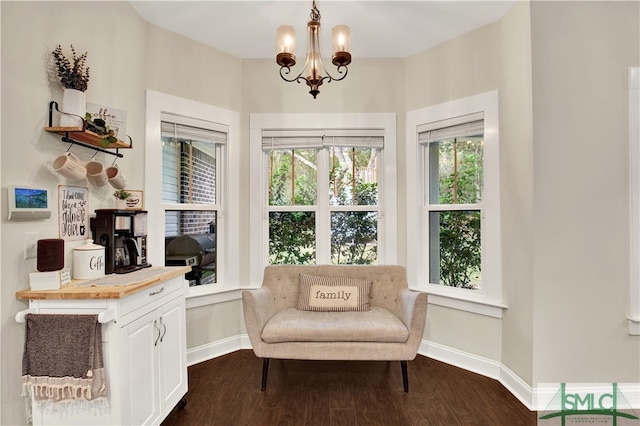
73 213
114 119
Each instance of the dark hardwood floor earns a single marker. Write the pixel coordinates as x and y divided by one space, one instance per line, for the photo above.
226 391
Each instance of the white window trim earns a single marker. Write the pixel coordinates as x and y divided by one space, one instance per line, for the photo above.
487 301
227 259
260 122
634 200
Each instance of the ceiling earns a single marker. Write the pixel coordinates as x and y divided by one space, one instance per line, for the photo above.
379 29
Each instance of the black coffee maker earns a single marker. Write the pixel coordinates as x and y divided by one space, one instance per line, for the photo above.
123 233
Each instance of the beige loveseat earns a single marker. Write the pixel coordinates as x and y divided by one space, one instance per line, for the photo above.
390 330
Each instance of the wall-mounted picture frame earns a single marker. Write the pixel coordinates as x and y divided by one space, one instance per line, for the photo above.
73 213
135 201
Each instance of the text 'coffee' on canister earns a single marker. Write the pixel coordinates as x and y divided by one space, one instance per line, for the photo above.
88 261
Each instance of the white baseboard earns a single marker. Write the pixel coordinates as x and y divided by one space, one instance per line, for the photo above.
518 387
480 365
455 357
218 348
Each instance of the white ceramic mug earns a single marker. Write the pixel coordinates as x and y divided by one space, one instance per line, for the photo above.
116 178
69 166
96 173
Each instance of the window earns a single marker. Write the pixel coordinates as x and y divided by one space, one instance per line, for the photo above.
189 189
323 189
453 170
452 206
307 201
192 153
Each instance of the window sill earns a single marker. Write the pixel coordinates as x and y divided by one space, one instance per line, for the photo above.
210 296
634 326
463 300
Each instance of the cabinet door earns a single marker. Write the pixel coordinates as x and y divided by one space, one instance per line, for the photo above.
172 354
140 380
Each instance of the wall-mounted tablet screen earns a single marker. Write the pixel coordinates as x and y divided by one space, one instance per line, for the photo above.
28 203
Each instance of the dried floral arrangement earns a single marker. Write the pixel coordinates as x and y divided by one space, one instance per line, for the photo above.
72 75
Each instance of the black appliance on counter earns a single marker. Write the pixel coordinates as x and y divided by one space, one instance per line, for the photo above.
196 250
123 233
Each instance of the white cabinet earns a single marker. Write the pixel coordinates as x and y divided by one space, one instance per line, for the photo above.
141 361
145 356
172 352
154 347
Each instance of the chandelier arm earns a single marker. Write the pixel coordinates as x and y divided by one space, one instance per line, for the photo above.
331 78
288 71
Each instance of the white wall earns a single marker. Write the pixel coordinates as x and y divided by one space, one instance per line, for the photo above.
581 206
516 167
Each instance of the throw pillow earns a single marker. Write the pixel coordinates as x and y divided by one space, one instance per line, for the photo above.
333 294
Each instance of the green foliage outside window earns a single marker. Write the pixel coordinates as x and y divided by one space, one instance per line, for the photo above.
460 242
292 238
354 234
460 256
293 177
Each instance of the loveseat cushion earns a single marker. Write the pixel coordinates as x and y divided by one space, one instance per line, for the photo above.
337 294
374 325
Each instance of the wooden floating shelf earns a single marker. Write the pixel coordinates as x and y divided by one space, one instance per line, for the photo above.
86 136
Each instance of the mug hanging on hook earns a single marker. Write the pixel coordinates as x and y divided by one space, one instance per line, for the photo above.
116 177
96 172
68 165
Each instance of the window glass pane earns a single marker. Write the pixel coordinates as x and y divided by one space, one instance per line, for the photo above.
455 171
354 238
190 239
454 248
292 177
170 170
353 176
188 171
292 238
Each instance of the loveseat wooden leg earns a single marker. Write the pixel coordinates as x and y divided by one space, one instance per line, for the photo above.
265 372
405 377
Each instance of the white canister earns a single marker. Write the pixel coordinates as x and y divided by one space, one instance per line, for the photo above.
88 261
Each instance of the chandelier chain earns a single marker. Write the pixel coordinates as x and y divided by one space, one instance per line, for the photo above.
315 12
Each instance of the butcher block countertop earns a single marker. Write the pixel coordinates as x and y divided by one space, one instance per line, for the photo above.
113 286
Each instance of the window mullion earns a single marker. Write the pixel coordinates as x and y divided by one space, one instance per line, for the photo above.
323 215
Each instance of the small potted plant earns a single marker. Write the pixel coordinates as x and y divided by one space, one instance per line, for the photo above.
74 77
121 198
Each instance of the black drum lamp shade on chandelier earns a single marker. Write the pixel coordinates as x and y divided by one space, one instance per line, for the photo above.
314 72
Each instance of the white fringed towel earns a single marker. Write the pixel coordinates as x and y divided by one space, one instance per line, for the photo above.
62 359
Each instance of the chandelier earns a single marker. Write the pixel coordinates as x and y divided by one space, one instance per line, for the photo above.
314 70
